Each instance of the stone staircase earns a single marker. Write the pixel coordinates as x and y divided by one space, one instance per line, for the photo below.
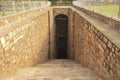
58 69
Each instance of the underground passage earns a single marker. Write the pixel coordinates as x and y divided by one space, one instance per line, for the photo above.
59 43
61 22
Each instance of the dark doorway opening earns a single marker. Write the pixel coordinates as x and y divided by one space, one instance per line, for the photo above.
61 36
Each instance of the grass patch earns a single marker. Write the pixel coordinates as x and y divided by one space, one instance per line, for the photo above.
107 9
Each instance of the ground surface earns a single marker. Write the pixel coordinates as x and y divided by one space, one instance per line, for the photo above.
111 10
55 70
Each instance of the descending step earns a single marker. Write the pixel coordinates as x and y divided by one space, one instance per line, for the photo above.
59 69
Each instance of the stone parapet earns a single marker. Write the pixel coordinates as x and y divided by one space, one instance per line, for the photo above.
24 40
112 22
94 47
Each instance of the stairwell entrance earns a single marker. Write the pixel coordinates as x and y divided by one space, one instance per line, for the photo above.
61 22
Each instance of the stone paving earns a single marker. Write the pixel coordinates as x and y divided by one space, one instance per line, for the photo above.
55 70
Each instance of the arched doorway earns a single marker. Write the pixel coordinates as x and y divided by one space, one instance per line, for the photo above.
61 22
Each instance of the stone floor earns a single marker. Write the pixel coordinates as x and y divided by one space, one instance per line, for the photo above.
55 70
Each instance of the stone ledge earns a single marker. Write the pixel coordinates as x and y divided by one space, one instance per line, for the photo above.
103 28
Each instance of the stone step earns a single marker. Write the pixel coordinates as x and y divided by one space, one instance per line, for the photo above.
55 70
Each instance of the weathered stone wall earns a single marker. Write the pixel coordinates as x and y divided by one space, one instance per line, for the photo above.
113 22
61 10
15 17
25 41
70 35
92 48
29 37
52 36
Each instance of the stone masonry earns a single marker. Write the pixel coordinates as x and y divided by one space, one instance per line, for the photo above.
24 40
28 38
92 45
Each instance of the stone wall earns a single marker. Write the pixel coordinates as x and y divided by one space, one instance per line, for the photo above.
92 48
71 35
52 35
112 22
24 40
18 16
28 38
